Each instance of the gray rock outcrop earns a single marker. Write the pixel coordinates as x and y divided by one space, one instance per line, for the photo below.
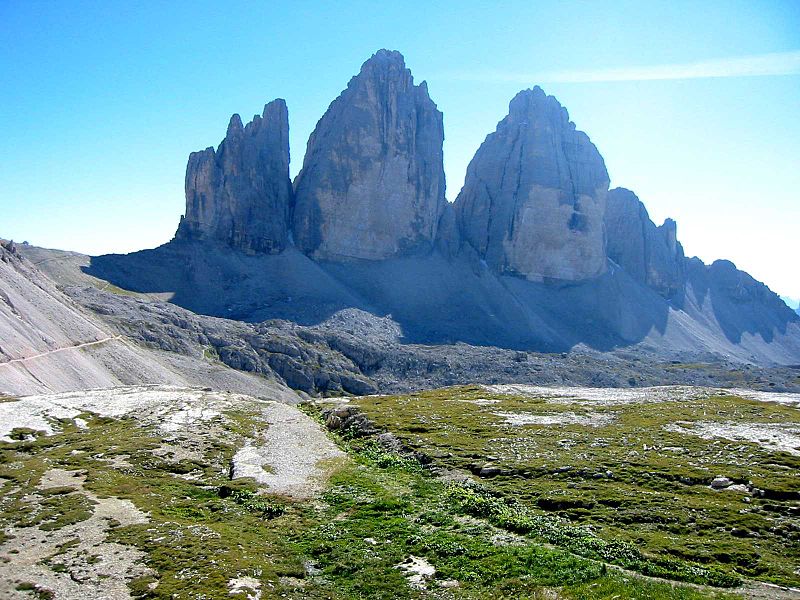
372 184
651 255
241 194
534 196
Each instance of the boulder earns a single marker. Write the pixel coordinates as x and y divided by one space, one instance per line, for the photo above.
534 195
372 183
720 482
241 194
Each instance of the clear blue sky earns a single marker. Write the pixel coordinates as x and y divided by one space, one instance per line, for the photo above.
695 106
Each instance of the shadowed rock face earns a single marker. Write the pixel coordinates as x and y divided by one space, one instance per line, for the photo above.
651 255
372 184
743 307
241 194
534 196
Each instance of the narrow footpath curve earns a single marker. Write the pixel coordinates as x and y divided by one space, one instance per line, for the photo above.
49 352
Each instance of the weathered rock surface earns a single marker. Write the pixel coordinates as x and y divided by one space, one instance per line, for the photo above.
241 194
299 357
372 184
534 196
48 342
743 307
651 255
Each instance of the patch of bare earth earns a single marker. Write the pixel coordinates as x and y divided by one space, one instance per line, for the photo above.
75 562
294 456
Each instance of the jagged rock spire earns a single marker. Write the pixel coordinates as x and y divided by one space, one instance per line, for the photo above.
241 194
372 184
651 255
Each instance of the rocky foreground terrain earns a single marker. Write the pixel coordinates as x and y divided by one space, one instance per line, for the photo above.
467 492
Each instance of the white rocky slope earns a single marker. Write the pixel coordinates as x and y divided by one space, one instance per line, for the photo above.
50 344
82 559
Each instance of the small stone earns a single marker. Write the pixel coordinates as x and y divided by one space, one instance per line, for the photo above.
333 422
418 570
720 483
738 487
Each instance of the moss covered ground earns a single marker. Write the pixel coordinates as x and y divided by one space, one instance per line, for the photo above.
631 473
210 537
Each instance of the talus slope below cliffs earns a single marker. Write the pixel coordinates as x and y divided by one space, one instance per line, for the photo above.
51 344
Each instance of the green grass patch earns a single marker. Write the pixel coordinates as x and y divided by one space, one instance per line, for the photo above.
628 479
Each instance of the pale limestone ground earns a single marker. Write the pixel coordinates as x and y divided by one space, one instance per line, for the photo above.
170 408
246 588
564 418
284 440
418 571
292 457
93 568
299 473
617 396
779 437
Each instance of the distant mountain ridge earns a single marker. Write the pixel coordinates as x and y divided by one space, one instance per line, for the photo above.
535 253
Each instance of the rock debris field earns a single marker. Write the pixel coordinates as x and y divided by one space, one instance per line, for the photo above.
285 451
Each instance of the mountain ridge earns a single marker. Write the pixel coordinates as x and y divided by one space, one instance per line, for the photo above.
535 253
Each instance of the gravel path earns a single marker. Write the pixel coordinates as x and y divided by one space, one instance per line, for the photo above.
64 349
294 457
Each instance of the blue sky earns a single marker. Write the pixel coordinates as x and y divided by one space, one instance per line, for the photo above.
695 106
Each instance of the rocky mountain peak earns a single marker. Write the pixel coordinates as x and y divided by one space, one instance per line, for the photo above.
372 184
385 61
235 127
534 196
534 101
240 195
651 255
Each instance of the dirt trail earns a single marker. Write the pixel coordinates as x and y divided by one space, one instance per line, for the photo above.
109 338
292 458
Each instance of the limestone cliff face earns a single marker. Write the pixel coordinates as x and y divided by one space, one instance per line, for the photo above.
651 255
534 196
241 194
372 184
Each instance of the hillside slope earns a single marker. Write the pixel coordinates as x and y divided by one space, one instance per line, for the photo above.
50 344
438 300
